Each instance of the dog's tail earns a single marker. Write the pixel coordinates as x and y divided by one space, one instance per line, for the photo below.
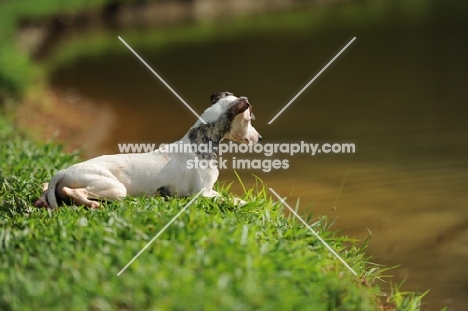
51 193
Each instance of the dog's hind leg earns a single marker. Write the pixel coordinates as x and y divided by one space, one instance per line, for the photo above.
79 196
106 189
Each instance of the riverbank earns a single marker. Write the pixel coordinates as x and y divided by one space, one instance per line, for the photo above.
65 117
214 257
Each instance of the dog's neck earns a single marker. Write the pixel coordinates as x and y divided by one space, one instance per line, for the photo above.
209 134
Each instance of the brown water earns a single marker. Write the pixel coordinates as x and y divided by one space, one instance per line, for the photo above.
399 93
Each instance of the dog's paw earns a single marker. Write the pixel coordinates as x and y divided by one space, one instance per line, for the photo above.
239 202
93 204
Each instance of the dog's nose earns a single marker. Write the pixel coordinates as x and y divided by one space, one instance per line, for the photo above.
259 137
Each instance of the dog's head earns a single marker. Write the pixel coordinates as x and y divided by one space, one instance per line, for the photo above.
232 116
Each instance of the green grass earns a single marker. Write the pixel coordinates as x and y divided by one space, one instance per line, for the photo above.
215 256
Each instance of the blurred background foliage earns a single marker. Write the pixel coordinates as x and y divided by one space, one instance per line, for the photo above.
16 69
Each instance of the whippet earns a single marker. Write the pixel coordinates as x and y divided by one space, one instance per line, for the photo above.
157 173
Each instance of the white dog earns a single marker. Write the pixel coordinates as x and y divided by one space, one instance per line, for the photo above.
111 177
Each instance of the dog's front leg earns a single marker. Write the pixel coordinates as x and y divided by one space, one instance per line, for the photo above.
213 194
207 178
210 193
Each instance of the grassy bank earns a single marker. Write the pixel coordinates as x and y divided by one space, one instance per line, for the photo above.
213 257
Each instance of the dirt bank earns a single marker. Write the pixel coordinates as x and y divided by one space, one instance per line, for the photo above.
79 123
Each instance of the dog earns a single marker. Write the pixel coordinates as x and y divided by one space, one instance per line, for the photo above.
157 173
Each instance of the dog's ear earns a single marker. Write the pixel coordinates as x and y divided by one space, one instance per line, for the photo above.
240 105
215 97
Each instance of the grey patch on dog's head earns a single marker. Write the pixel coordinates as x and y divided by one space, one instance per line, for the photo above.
215 97
215 131
164 191
221 120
